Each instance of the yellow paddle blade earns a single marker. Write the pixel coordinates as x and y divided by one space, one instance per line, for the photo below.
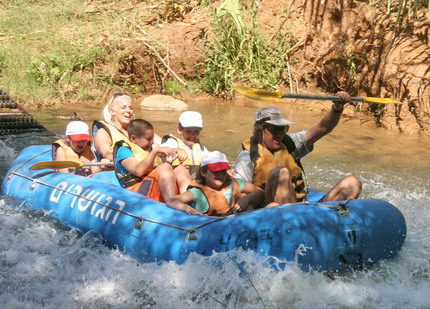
54 164
258 94
381 100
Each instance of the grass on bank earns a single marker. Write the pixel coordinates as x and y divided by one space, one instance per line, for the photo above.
405 9
58 50
53 51
71 50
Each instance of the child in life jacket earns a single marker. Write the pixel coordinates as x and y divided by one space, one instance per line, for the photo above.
138 165
189 127
215 192
76 147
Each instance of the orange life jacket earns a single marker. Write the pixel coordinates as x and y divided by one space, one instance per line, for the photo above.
218 204
266 161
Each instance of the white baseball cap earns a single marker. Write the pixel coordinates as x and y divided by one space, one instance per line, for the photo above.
191 119
215 161
78 131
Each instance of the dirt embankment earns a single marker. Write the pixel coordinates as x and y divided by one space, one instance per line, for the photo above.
341 45
359 48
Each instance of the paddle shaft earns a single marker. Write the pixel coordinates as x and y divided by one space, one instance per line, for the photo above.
318 97
96 164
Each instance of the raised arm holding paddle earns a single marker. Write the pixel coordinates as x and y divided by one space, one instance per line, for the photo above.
271 158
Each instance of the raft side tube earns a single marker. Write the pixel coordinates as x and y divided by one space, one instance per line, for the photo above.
319 236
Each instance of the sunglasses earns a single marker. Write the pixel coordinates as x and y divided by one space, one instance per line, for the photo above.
275 130
118 94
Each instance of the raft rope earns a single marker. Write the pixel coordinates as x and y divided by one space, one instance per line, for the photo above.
341 207
139 218
190 230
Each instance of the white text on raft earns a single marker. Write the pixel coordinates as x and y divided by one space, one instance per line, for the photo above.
84 201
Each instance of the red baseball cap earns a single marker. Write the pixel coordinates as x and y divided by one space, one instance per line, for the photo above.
215 161
78 131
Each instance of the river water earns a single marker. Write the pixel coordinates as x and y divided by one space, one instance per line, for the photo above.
44 264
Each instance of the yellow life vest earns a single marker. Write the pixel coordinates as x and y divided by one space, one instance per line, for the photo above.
267 161
115 134
218 204
128 179
194 152
86 156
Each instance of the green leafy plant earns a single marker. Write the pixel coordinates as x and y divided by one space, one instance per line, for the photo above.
173 86
239 51
56 68
50 53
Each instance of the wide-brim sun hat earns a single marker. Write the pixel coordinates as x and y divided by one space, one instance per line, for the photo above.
215 161
272 115
78 131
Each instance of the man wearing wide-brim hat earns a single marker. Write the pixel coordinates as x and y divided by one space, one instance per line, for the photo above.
271 158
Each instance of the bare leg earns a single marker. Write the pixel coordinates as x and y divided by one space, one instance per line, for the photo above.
183 177
348 188
251 201
279 187
166 181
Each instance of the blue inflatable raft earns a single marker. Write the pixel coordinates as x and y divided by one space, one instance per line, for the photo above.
329 236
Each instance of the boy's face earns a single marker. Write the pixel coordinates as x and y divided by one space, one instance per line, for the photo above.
77 147
190 135
146 141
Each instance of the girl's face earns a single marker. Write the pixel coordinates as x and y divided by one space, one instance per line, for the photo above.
189 135
122 110
215 180
77 147
146 141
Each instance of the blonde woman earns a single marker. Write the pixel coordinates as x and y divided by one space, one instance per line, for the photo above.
116 117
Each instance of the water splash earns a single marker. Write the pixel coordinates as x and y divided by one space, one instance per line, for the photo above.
46 265
7 153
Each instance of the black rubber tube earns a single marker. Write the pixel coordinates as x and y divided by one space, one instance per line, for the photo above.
20 125
16 118
8 104
20 131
